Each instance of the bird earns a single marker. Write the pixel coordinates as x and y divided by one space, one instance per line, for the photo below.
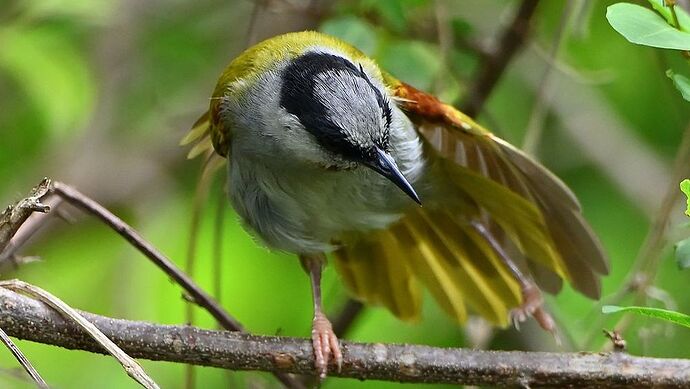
329 156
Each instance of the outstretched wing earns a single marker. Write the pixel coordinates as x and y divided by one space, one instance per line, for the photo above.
476 176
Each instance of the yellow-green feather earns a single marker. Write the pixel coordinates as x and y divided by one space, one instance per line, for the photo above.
434 246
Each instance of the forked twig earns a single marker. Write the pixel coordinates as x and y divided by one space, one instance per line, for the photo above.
131 366
15 215
23 360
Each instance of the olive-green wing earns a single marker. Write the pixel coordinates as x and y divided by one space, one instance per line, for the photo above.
477 176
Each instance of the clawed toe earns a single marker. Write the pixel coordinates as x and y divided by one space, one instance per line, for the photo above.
533 306
326 345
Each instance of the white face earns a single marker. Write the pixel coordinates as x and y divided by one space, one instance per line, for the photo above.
319 108
337 103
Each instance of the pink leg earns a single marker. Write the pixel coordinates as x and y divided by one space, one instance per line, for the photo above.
532 300
323 338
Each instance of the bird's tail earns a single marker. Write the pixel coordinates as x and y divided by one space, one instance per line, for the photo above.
477 177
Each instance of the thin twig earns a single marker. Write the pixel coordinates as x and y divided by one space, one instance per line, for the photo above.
88 205
535 125
494 64
23 360
27 319
208 170
646 265
218 239
26 231
251 36
131 366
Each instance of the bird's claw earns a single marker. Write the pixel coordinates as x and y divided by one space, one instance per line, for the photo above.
533 305
325 345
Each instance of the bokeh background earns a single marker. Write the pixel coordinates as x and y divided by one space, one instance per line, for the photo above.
98 94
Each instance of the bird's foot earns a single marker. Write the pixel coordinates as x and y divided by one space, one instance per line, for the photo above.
325 344
533 305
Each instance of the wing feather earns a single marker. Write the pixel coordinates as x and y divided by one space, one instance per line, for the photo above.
475 175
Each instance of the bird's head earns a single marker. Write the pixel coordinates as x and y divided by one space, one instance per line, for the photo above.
347 114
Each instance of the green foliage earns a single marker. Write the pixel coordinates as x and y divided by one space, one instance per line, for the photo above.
153 79
683 17
57 79
657 313
354 30
682 248
681 83
642 26
682 253
685 188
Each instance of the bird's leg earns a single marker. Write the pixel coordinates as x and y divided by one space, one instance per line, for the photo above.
323 338
532 300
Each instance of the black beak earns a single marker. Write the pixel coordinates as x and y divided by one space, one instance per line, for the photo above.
385 165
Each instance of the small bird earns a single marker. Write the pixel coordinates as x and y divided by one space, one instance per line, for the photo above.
328 154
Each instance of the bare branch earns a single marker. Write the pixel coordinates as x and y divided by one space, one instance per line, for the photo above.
495 63
202 298
131 366
15 215
28 319
21 358
88 205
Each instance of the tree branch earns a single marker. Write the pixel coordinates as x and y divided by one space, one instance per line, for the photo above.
15 215
202 298
28 319
199 296
131 366
495 63
23 361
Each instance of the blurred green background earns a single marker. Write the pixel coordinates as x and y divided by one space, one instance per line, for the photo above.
98 94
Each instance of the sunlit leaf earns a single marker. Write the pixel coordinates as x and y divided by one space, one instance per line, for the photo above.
52 73
644 27
683 17
682 253
658 313
685 188
681 83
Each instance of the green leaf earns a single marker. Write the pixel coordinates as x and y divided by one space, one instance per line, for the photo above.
642 26
658 313
685 188
683 17
681 83
682 253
